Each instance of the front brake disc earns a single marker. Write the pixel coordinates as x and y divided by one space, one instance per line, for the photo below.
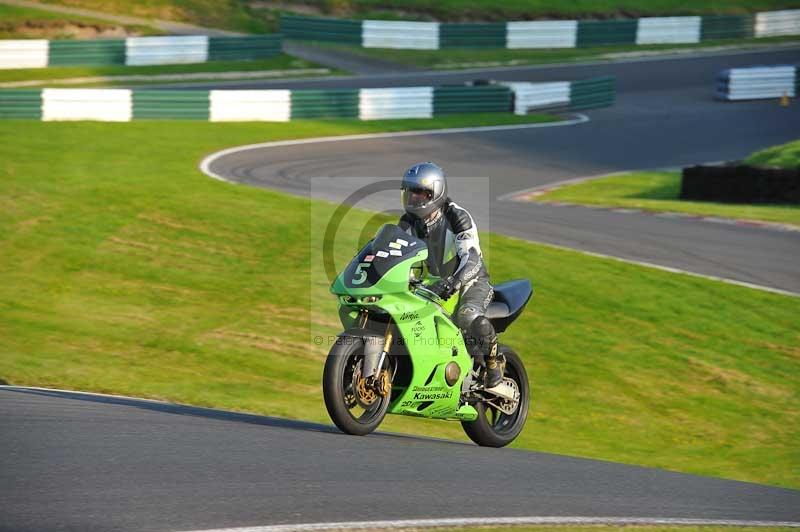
365 395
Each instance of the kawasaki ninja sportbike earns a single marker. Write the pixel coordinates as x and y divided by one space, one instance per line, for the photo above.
400 352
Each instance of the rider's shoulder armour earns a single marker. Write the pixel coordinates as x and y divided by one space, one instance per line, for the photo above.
458 217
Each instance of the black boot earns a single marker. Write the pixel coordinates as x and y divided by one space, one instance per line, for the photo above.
495 367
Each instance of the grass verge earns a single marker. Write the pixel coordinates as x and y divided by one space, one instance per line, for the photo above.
783 156
460 58
53 74
660 191
26 23
126 270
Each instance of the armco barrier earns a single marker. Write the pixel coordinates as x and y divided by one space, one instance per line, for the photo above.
490 35
402 102
391 34
758 83
243 48
136 51
332 103
280 105
170 104
541 33
21 103
100 52
559 95
727 27
606 32
321 29
777 23
250 105
593 93
481 99
23 54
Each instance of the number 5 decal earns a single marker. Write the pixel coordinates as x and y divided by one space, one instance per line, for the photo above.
361 274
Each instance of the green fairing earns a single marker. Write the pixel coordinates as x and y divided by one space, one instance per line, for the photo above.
429 335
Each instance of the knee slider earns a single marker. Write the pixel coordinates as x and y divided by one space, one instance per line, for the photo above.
483 331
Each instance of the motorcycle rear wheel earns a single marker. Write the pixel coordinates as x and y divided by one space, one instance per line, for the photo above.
337 389
493 428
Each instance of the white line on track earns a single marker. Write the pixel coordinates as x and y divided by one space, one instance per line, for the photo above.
664 268
205 167
517 195
205 164
504 521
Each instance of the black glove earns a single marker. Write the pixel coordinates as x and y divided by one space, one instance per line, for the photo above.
444 288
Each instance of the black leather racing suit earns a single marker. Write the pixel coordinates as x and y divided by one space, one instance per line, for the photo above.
454 250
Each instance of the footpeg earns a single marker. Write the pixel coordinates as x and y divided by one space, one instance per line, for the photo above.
504 390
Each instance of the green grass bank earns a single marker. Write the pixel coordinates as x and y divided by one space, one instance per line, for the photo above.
249 17
660 191
26 23
126 270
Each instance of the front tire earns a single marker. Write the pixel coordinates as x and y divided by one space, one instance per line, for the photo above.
493 428
346 412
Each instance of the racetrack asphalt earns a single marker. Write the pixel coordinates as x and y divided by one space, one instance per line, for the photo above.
73 461
665 116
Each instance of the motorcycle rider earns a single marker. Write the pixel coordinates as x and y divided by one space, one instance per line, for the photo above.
454 255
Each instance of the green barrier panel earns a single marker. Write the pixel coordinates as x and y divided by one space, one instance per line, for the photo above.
592 93
727 27
467 99
321 29
604 32
99 52
243 48
472 35
166 104
333 103
21 103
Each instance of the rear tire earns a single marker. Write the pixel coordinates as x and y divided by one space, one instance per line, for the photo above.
493 428
337 389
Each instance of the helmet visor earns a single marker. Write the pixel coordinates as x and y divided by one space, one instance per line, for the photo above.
416 197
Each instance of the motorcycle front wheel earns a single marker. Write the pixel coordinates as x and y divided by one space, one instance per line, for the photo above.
494 428
352 407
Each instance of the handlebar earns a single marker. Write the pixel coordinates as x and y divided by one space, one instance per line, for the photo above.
420 286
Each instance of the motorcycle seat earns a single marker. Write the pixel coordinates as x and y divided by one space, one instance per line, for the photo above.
508 302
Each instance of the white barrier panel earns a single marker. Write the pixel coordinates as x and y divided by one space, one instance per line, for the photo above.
107 105
24 53
758 82
399 34
166 50
529 96
542 34
774 23
663 30
252 105
405 102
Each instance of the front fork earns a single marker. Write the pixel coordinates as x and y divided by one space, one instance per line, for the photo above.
375 351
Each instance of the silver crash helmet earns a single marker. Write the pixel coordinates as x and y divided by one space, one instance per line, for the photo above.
424 189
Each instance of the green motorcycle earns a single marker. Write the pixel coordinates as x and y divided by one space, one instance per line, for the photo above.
400 353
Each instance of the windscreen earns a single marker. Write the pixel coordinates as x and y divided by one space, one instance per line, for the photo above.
390 247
